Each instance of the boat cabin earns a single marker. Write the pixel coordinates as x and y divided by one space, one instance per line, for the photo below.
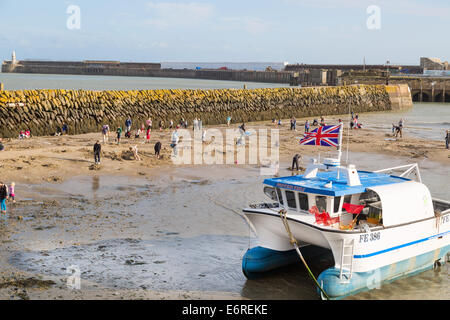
377 198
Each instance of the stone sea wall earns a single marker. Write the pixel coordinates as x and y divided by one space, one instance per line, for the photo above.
44 111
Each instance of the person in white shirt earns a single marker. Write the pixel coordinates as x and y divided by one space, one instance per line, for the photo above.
175 140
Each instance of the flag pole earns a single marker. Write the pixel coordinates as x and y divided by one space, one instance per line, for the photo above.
340 141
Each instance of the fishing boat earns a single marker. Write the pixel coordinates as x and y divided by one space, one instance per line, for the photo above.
379 225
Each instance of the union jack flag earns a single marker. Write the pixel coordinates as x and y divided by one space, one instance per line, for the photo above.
327 136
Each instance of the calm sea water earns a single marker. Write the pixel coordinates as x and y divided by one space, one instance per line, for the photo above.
16 81
425 120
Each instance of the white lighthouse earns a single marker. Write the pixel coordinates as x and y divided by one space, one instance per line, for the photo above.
13 58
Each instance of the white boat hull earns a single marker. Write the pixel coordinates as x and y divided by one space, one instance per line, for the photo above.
371 250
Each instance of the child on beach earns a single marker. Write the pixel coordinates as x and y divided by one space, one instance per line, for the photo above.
12 193
119 134
148 134
3 196
228 121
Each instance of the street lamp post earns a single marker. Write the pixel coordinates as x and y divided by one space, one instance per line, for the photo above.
387 72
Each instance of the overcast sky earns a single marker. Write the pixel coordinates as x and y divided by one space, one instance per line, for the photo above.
307 31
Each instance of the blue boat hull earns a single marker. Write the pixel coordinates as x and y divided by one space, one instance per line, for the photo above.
364 281
259 260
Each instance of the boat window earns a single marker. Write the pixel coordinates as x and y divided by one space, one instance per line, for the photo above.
303 200
280 197
337 202
270 192
348 199
375 213
368 197
321 203
290 198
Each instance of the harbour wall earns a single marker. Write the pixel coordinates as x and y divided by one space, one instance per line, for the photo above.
44 111
116 68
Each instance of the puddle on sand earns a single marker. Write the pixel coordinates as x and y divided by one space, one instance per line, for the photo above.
203 263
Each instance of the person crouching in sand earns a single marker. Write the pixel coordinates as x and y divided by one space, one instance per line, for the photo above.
157 149
97 151
135 153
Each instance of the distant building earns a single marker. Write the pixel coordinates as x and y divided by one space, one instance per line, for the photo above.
433 64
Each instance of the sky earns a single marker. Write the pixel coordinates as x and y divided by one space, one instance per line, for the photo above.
296 31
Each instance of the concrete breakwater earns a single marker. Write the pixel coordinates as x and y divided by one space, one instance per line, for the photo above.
44 111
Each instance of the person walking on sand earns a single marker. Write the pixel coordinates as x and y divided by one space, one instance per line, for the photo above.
97 151
148 134
128 123
119 134
204 136
171 124
228 121
149 122
65 129
12 193
447 139
105 132
3 196
307 126
158 149
175 140
195 124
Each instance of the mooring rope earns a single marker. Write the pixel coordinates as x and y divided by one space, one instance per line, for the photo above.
293 241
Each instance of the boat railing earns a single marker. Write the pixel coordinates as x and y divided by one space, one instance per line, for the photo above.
409 168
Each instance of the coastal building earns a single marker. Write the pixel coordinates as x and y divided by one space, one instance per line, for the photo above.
433 64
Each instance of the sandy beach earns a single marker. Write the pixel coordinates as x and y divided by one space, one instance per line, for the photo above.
55 159
45 219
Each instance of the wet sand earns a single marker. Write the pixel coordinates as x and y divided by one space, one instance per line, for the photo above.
152 230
